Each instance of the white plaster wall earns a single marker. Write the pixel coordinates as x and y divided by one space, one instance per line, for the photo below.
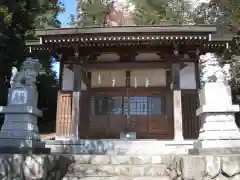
187 77
148 57
108 78
108 57
142 78
145 78
67 79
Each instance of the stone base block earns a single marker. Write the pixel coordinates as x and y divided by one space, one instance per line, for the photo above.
217 144
214 151
24 126
219 135
20 110
20 143
14 134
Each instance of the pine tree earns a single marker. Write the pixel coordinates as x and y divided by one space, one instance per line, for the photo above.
152 12
91 12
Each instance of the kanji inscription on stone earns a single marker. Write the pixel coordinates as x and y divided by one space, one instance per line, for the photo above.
19 97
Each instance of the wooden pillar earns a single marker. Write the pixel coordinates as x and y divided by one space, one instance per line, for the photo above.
177 102
77 82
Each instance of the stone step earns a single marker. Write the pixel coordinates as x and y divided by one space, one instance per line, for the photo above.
118 178
120 147
89 170
124 159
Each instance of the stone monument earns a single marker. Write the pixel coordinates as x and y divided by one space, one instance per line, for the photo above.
219 132
20 131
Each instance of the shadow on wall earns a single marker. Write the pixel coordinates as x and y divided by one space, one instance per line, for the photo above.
235 100
29 166
237 119
3 102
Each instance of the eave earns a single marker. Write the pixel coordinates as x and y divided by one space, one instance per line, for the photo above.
175 29
85 40
124 34
157 45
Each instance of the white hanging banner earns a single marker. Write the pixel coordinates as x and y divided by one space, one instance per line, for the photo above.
148 78
108 78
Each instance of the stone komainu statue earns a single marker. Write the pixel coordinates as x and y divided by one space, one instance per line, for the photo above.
27 74
212 71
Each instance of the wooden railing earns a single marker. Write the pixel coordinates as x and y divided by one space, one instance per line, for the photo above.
64 114
191 123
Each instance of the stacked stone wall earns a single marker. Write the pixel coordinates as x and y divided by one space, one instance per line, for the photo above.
115 167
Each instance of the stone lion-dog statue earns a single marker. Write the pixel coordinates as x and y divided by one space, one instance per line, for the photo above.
27 74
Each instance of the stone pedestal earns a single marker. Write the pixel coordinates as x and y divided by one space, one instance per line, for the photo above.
20 131
216 112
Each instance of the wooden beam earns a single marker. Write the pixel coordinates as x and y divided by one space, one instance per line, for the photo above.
128 65
197 75
61 68
130 90
176 75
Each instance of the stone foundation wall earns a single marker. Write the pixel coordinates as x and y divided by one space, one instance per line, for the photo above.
34 167
113 167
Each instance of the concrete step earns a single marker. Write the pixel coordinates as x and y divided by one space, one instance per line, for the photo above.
119 178
124 159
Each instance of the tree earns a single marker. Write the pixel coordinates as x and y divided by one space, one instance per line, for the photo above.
217 11
18 20
152 12
91 12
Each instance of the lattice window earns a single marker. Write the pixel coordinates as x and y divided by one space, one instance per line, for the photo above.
106 105
146 105
123 105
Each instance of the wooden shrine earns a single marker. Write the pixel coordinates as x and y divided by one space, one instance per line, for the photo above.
128 79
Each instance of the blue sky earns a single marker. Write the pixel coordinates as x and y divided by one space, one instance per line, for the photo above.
70 8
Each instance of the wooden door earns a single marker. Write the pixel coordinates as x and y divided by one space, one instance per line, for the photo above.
149 114
107 119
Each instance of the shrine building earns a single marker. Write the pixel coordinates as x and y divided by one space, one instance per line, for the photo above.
141 79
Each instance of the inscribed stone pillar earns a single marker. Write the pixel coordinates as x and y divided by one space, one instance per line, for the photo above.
177 104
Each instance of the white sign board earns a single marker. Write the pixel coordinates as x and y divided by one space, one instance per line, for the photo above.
19 97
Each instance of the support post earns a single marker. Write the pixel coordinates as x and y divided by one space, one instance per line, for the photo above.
177 104
77 70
